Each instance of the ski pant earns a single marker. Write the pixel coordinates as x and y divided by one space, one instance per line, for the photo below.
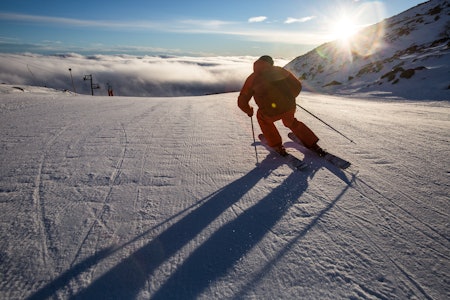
268 128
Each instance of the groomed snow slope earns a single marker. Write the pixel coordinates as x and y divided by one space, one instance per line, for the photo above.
122 198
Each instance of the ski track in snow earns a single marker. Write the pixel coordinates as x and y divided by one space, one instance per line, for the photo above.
160 198
41 220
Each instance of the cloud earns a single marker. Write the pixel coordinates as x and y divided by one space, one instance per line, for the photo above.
257 19
290 20
79 22
206 23
190 25
129 75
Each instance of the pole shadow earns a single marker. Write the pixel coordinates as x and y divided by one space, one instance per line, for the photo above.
50 289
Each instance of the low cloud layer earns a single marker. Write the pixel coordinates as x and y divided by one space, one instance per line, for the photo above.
129 75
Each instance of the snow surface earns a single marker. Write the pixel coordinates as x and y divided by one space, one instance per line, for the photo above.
123 198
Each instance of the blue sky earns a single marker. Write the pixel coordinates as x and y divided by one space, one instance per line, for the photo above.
283 28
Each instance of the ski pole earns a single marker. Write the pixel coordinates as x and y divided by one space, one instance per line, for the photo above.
325 123
254 141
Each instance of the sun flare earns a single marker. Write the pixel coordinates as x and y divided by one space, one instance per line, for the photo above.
344 28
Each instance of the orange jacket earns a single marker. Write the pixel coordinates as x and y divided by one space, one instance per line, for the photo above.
273 88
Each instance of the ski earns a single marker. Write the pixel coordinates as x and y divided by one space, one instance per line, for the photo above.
333 159
294 162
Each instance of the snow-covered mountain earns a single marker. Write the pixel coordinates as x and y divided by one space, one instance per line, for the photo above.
406 55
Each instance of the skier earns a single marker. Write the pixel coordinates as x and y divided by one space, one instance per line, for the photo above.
274 90
110 90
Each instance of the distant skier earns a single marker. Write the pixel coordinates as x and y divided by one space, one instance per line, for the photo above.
110 90
274 90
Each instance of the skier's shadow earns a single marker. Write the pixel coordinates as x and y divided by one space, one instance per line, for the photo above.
211 260
215 256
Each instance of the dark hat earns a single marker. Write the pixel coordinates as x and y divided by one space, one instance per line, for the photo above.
266 58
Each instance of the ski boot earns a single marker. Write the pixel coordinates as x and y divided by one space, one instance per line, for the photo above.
281 150
318 150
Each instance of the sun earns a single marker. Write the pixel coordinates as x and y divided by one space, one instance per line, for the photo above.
343 28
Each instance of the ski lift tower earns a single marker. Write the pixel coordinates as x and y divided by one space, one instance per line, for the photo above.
73 85
93 85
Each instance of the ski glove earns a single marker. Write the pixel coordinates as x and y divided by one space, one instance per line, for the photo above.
250 112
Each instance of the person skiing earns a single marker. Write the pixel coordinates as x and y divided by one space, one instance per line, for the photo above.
274 90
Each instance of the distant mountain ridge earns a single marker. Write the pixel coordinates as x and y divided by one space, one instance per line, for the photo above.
406 55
